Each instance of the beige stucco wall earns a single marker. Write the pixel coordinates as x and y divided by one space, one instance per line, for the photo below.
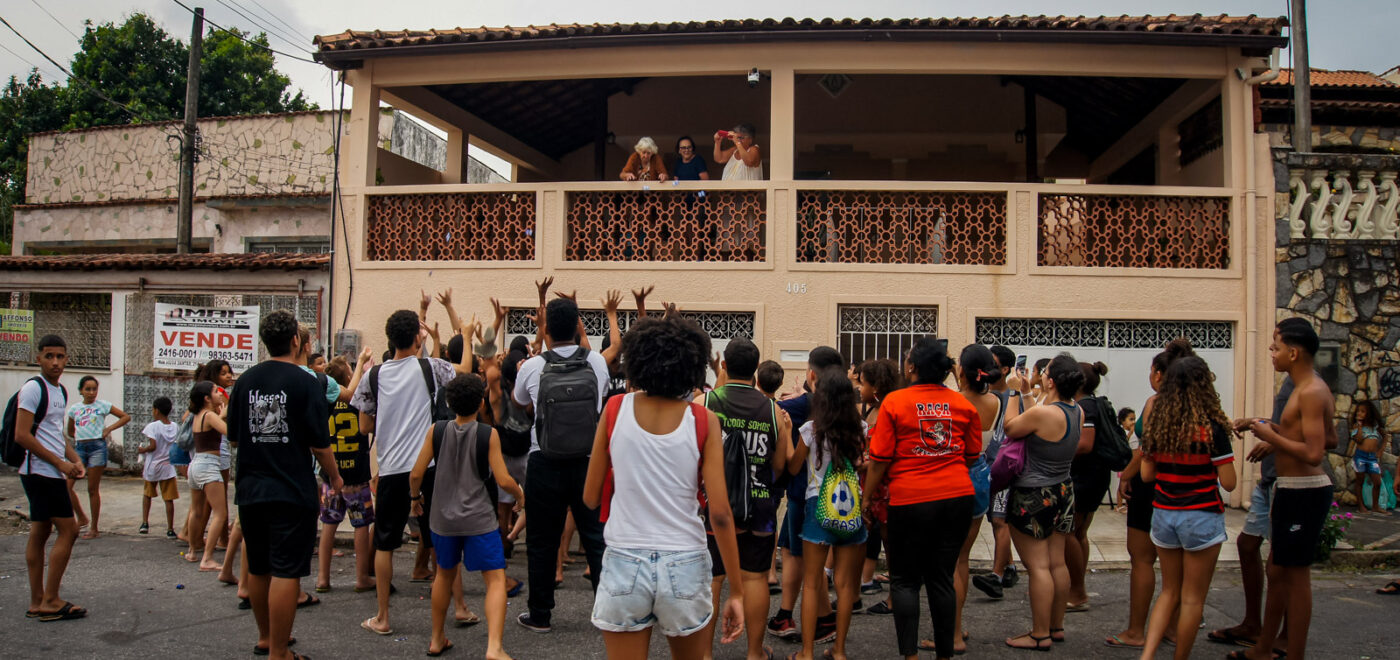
225 228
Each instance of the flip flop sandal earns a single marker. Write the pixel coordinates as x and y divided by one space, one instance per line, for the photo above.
1118 643
1061 640
323 589
245 604
426 580
309 602
32 614
1082 607
1033 638
1391 589
1244 655
1227 636
383 633
445 648
469 621
258 650
515 590
68 611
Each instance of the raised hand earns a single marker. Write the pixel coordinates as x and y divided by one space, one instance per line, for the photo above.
572 295
640 295
543 287
611 302
431 330
714 363
424 300
671 309
445 297
537 317
499 310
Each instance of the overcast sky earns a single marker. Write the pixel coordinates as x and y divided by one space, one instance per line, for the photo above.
1344 34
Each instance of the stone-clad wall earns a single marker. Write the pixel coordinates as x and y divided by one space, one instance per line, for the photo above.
1350 291
1364 137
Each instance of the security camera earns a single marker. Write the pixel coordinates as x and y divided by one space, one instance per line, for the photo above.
754 77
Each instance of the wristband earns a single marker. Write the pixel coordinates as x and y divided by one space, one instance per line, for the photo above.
415 498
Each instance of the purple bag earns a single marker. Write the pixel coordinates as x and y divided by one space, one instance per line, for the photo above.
1009 464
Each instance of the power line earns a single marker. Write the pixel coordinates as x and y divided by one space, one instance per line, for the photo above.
248 41
266 30
55 19
277 18
24 59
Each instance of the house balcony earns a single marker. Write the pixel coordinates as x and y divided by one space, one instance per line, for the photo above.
1343 197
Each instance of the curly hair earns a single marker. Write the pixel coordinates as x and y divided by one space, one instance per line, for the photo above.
1174 350
1373 417
769 376
402 329
883 375
277 330
666 357
1186 405
836 423
464 394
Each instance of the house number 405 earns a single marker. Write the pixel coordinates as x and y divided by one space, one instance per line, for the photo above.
797 287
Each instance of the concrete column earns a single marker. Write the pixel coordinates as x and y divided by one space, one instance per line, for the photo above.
782 125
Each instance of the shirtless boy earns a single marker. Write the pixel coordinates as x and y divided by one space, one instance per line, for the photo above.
1303 492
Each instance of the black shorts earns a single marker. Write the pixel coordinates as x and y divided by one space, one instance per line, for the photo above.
392 508
1140 495
48 497
1296 519
1089 490
872 540
278 538
755 553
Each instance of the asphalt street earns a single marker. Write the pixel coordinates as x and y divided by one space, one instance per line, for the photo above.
144 602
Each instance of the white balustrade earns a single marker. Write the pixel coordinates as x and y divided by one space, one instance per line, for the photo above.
1360 202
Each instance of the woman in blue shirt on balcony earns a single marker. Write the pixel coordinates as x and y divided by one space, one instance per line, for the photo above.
690 165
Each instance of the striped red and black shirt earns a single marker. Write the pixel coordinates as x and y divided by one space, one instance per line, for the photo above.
1190 481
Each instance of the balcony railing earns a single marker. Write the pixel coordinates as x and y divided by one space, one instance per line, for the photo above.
1343 197
826 224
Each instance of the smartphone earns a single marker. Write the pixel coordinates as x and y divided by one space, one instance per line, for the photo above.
1021 363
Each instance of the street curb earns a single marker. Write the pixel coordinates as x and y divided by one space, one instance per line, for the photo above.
1363 559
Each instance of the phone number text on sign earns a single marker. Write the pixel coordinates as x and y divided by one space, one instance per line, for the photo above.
186 337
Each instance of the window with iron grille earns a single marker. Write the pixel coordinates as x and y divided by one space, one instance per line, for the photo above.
1100 333
83 320
315 245
868 332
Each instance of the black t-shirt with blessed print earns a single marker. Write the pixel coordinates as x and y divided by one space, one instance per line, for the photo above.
278 414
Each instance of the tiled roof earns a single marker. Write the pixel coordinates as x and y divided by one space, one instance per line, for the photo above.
237 261
1337 78
1392 107
1224 30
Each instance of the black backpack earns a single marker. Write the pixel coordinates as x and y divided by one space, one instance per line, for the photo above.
437 403
566 408
1110 440
10 449
514 430
738 479
483 454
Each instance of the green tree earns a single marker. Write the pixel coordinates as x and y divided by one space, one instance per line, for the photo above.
140 70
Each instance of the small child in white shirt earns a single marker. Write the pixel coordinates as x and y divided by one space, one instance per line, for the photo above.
159 473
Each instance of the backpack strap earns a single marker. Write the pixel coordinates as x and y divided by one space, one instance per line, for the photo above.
428 378
321 379
374 386
483 451
439 430
610 412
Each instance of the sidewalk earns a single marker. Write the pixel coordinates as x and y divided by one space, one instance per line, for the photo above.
121 514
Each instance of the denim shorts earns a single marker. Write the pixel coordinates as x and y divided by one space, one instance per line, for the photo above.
1365 462
1256 521
812 532
790 532
204 470
92 453
981 475
1191 530
641 588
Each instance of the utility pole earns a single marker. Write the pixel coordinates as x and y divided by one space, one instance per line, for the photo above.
187 141
1302 83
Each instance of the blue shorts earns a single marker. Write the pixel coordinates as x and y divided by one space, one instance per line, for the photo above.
814 533
1191 530
790 534
981 475
1256 521
92 453
1366 462
641 588
482 552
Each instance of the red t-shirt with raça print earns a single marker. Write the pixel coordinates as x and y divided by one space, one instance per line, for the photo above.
927 433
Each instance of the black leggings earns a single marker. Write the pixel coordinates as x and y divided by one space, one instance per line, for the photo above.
924 542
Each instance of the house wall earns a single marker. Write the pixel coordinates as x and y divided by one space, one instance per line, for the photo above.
226 228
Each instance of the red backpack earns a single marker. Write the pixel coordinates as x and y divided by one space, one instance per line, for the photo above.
610 411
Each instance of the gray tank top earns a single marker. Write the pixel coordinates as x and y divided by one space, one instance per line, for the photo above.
1047 463
461 506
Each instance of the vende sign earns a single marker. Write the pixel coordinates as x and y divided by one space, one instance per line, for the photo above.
187 337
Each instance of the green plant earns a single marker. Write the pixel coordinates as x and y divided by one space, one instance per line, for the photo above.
1334 530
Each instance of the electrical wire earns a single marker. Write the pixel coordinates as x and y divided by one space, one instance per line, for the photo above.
55 19
246 40
277 18
265 28
344 226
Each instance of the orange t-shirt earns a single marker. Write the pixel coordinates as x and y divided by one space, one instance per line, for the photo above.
927 433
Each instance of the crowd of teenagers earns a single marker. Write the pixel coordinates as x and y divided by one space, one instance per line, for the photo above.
674 485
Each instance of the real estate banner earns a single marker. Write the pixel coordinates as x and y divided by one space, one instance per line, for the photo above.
16 335
187 337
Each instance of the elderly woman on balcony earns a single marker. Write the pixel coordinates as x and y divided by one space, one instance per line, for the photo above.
743 161
645 163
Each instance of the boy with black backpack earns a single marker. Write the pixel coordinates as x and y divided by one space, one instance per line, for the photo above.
33 442
754 454
396 404
564 387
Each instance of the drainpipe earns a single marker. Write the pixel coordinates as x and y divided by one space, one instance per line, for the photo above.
1251 237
